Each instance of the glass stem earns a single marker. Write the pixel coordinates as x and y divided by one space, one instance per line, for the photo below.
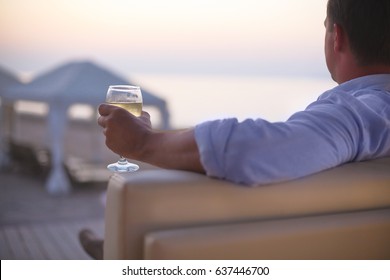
122 160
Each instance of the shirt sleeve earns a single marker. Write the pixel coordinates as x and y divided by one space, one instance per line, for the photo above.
329 132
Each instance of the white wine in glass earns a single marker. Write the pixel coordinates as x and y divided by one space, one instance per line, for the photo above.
130 99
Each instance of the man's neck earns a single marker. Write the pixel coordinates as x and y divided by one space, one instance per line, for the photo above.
360 71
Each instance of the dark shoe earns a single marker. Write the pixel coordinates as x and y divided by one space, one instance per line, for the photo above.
92 245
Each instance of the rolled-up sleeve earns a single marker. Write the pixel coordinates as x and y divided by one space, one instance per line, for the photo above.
258 152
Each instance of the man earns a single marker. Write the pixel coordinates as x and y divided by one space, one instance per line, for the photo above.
348 123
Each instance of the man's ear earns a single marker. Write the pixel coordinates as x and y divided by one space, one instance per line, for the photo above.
338 38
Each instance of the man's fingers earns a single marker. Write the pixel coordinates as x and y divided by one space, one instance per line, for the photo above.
145 114
102 121
107 112
105 109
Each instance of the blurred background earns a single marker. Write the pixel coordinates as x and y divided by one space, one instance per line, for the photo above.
206 59
203 53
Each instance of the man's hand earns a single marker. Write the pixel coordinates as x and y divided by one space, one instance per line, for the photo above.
125 133
133 137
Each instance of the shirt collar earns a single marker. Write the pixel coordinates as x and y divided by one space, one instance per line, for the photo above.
377 81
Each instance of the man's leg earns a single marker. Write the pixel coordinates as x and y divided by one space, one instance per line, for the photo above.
92 245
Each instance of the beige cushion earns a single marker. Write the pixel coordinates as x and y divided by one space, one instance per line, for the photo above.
356 235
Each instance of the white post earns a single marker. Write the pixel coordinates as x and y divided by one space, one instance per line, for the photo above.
58 182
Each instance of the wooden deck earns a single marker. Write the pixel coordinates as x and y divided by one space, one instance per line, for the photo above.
35 225
48 241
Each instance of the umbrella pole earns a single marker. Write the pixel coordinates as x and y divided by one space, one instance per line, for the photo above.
58 182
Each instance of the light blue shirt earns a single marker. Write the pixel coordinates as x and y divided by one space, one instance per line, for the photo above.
350 122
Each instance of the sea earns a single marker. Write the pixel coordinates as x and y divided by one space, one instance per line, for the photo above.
192 99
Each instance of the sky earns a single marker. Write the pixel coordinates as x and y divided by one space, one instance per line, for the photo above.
238 37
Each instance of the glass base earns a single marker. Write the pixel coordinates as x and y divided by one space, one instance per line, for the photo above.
123 166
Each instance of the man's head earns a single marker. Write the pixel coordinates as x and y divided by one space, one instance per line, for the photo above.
363 26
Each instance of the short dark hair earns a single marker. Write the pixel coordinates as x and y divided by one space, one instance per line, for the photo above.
367 25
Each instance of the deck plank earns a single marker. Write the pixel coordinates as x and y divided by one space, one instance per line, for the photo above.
32 244
46 241
18 250
5 246
60 241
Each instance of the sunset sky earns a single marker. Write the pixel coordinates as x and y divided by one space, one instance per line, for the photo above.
240 37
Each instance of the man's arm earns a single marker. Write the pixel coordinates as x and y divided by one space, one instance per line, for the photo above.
134 138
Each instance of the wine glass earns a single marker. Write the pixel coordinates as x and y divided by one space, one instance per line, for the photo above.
129 98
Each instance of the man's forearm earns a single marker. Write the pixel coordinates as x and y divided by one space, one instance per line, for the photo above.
172 150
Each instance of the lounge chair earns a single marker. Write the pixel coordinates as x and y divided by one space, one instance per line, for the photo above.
341 213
